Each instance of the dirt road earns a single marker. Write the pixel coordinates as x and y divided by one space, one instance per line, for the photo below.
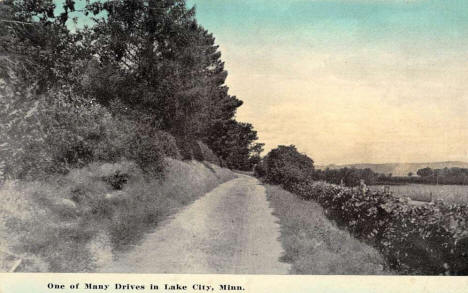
230 230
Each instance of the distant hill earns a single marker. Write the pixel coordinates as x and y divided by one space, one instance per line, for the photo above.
400 169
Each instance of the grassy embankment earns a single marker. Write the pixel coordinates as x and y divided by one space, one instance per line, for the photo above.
75 222
314 245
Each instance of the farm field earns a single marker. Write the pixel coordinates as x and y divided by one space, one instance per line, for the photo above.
422 192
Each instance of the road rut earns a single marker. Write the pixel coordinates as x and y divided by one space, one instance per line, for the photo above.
230 230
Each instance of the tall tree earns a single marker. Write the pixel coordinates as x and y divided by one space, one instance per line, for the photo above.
156 58
149 57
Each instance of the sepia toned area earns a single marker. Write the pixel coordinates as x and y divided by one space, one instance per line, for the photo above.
125 148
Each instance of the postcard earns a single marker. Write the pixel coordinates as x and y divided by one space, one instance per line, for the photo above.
233 145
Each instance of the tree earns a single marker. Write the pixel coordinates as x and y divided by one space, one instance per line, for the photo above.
148 60
233 142
425 172
37 47
286 166
255 153
158 60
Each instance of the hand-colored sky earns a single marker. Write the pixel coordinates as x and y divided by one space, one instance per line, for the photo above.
349 81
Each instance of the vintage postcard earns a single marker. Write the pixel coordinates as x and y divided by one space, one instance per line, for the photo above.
233 145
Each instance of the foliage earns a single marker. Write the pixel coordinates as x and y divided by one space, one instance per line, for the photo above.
259 169
204 153
314 245
427 239
160 61
151 58
425 172
75 222
234 142
285 165
449 176
347 176
54 133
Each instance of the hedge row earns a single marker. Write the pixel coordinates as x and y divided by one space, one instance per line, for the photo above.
427 239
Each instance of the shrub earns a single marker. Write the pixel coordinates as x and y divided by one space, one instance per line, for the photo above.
285 165
428 239
168 145
314 245
48 134
52 134
185 147
203 153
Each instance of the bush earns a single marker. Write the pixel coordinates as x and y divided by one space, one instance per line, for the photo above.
185 147
429 239
286 166
196 150
203 153
52 134
314 245
168 145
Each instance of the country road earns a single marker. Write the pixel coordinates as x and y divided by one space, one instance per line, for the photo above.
229 230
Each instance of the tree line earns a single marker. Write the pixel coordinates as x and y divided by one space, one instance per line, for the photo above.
427 175
288 165
147 64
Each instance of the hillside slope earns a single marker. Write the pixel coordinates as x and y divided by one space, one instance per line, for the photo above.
74 223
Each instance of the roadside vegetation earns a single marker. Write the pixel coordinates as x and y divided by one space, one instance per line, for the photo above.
314 245
96 119
76 222
425 239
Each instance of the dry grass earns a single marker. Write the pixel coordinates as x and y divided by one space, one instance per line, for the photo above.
314 245
424 192
74 223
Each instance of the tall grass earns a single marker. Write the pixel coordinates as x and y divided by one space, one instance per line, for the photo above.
314 245
74 222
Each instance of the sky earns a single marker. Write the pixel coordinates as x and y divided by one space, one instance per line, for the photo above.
348 81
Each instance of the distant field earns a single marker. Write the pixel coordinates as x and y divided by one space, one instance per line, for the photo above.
422 192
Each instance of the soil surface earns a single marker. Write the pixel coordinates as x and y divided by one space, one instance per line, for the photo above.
230 230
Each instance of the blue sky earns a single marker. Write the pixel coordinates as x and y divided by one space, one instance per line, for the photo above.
314 20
